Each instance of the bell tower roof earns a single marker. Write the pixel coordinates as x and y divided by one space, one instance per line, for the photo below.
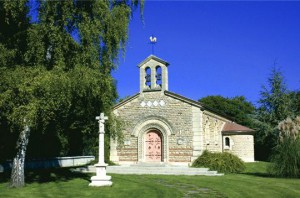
155 58
153 74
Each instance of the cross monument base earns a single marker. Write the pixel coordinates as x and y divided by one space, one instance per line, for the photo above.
101 179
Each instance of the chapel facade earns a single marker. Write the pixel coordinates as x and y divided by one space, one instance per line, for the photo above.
164 127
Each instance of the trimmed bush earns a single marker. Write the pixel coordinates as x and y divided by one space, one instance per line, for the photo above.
221 162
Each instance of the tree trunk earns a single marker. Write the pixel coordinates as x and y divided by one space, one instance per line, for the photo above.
17 173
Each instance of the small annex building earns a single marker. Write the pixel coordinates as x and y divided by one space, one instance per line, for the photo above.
162 126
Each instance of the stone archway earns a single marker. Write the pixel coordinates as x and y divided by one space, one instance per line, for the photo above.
152 124
153 146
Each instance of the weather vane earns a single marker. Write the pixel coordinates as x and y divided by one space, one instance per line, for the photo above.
153 41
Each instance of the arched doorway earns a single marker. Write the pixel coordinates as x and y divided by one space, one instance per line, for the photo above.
153 146
159 125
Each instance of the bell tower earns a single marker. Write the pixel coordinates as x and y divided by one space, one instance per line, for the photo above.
153 74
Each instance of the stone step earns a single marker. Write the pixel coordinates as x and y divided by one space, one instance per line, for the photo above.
157 164
112 168
140 170
150 168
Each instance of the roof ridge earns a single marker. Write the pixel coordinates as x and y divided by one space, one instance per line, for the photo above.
205 107
126 100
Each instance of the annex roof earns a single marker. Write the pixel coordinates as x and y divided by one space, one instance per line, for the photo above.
232 127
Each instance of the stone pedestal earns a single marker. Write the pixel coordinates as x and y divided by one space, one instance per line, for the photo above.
101 179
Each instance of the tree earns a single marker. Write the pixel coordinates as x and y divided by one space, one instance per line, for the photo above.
237 108
295 95
14 23
58 84
275 105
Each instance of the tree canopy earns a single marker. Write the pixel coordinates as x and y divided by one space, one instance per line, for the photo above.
276 104
237 108
55 72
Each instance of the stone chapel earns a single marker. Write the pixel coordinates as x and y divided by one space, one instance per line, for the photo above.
164 127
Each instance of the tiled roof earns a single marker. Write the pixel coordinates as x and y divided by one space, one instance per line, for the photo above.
234 127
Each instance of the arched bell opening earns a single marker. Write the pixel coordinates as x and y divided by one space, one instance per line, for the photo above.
148 77
158 76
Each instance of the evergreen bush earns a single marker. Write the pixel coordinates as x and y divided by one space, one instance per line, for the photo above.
221 162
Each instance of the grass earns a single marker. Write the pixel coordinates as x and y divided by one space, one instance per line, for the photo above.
253 182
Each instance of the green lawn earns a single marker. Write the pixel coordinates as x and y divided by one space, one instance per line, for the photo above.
254 182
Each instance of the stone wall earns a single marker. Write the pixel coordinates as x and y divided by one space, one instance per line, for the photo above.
155 106
197 133
242 146
212 127
186 130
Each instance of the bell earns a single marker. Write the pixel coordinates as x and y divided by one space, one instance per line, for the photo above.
158 76
148 78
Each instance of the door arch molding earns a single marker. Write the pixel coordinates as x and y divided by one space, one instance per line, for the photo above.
156 126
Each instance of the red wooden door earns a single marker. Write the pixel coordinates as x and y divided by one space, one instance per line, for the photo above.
153 147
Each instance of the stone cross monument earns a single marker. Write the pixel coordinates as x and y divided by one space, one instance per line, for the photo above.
101 179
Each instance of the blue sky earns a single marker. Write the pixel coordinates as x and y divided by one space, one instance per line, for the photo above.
215 47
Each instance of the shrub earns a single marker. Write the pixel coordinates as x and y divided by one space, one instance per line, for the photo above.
286 159
221 162
286 154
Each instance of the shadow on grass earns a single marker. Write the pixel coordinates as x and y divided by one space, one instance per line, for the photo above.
47 175
258 174
269 175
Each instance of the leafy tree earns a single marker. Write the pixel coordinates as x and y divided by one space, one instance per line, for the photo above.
237 108
14 24
55 85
